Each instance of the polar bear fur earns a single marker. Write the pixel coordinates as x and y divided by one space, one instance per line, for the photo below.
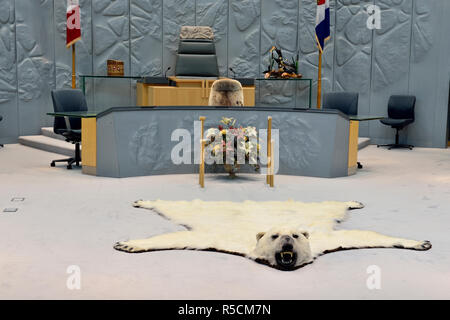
226 92
245 229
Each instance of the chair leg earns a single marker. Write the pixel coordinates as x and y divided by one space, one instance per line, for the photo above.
77 154
396 145
70 161
53 163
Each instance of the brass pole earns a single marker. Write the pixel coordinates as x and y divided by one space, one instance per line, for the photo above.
319 82
74 77
202 154
272 162
269 148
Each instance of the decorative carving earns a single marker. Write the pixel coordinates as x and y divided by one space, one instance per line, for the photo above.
145 147
8 80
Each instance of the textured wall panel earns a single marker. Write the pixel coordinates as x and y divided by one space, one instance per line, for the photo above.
176 13
146 37
35 63
214 13
390 61
8 76
424 63
244 38
111 41
353 54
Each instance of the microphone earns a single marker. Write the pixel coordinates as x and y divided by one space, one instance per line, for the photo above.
165 73
234 73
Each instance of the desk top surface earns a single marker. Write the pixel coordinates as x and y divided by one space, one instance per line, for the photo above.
94 114
365 118
75 114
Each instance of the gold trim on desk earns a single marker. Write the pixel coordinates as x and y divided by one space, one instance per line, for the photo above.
353 148
89 145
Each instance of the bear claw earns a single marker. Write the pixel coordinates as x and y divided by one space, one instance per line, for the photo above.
426 245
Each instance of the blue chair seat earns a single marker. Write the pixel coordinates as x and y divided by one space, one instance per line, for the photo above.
396 123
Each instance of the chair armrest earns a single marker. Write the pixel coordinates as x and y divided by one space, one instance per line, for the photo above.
66 119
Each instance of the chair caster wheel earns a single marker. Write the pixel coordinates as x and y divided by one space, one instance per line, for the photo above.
69 167
52 164
360 166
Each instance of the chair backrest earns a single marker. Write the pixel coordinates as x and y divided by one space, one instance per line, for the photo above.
401 107
66 101
346 102
196 55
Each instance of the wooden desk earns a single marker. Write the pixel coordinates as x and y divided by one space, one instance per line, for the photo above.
90 140
186 92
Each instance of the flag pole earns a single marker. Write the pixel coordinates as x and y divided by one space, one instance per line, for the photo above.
319 82
74 78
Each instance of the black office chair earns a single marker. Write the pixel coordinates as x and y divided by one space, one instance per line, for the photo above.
196 55
1 118
69 128
400 114
346 102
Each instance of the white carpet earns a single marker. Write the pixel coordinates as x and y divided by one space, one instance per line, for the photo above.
71 219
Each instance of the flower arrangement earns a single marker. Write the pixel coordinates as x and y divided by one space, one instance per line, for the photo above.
232 145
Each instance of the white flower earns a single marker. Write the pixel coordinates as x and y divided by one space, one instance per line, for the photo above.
212 132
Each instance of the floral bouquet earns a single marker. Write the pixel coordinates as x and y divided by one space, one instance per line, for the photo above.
232 145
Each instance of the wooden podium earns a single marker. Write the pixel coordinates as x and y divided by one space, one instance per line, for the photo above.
183 92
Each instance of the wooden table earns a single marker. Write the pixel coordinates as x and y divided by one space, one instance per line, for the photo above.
183 92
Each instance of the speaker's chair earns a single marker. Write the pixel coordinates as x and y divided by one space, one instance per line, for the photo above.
196 55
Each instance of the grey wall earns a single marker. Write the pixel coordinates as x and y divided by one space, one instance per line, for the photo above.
410 54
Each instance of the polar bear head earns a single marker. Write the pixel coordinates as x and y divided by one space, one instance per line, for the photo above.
283 248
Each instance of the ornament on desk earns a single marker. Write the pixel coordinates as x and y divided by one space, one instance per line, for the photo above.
115 68
285 70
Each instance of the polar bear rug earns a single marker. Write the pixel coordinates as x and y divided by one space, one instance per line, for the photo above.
284 235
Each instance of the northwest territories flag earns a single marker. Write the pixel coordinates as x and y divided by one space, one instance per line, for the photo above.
322 22
73 22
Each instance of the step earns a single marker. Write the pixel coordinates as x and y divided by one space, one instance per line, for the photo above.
48 144
51 142
48 132
363 142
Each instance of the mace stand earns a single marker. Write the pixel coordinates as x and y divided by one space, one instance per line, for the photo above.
270 152
201 177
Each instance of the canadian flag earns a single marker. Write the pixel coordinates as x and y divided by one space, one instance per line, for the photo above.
73 22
